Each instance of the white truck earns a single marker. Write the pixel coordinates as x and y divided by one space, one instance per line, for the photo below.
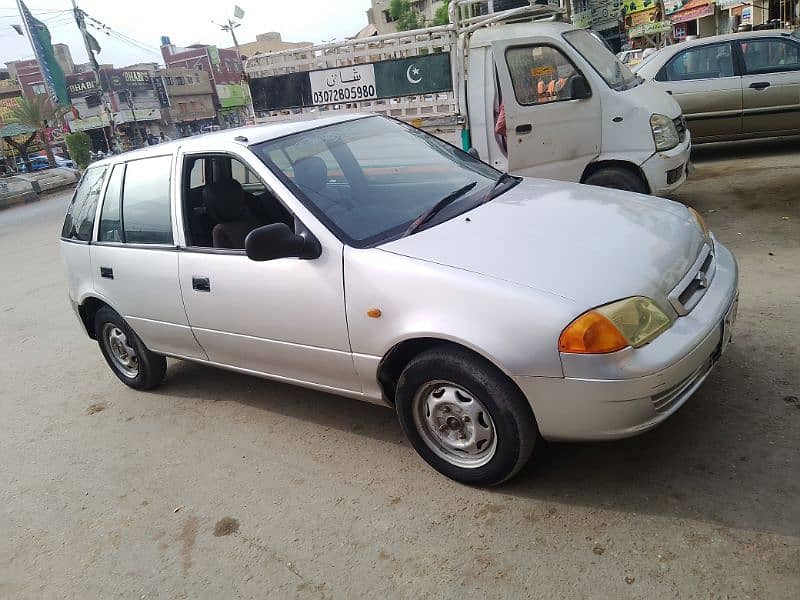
572 111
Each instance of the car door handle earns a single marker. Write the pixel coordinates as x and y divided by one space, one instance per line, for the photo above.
201 284
107 272
526 128
760 85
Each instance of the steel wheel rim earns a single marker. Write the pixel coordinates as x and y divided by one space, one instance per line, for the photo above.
122 353
454 424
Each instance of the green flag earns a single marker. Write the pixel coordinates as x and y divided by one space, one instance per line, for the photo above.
411 76
43 50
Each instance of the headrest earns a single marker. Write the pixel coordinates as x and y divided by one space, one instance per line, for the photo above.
311 174
224 200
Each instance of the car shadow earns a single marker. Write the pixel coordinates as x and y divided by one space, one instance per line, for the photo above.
744 149
708 462
196 381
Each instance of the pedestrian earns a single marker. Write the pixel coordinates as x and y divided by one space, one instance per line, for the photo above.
164 137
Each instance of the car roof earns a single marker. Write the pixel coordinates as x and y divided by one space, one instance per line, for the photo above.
250 134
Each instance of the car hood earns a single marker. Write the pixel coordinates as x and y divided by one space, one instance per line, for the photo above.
588 244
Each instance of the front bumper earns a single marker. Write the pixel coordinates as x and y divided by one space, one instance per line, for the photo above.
661 168
631 391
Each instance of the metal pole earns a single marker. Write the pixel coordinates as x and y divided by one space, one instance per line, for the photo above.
81 23
245 89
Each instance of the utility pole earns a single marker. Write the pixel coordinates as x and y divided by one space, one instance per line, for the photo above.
231 25
81 22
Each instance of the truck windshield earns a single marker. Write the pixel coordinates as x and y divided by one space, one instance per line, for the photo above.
614 73
369 179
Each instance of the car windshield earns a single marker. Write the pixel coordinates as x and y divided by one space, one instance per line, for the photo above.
614 73
370 179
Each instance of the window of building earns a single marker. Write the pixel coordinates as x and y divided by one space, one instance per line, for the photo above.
539 74
110 221
169 80
146 201
770 55
387 17
704 62
179 81
39 89
79 222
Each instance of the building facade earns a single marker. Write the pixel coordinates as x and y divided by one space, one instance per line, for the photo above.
224 71
191 100
267 42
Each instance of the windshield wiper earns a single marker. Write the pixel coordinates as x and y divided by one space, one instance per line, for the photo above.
504 177
431 212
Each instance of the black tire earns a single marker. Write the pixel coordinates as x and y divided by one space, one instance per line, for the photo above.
618 178
515 427
150 367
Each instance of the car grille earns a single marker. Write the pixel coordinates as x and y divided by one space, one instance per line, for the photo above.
685 296
674 175
680 125
664 401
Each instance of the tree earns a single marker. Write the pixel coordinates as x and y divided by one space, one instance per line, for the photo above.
38 113
13 130
441 17
79 144
405 18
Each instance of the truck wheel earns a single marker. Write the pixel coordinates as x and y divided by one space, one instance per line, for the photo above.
617 178
465 417
125 353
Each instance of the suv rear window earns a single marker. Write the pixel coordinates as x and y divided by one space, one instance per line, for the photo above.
79 222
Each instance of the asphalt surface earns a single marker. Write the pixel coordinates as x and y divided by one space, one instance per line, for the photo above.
219 485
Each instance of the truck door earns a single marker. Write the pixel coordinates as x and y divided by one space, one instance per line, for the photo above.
550 131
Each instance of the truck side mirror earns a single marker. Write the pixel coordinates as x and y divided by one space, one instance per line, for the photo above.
473 152
579 88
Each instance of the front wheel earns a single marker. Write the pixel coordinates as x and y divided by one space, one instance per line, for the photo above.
129 359
619 179
465 417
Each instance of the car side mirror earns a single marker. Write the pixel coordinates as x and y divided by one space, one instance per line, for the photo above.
278 241
579 88
473 152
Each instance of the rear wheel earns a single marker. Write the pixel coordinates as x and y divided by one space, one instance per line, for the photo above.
129 359
618 178
465 417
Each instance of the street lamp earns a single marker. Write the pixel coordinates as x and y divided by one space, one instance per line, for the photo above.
231 25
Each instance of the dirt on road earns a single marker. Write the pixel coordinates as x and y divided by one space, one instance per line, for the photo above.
219 485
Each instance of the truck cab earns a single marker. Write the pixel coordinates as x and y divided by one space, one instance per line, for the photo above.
572 112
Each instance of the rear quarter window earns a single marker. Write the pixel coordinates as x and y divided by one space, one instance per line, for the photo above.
146 215
79 222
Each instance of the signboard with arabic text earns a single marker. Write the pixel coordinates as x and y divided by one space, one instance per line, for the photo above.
650 29
634 6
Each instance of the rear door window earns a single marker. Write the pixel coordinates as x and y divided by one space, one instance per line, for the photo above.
110 215
770 55
146 214
79 222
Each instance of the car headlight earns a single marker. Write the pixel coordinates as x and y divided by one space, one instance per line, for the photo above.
630 322
665 135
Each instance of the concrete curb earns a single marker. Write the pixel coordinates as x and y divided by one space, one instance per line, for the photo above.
22 189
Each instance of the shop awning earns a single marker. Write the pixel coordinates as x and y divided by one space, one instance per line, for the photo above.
693 9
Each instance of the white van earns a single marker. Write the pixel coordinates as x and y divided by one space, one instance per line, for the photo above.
573 111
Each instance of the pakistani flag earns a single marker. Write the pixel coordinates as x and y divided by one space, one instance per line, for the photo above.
43 50
411 76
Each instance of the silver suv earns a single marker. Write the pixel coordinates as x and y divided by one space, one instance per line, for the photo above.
363 257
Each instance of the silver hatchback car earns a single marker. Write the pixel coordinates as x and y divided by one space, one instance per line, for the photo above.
360 256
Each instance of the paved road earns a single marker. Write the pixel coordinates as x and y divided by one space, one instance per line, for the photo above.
219 485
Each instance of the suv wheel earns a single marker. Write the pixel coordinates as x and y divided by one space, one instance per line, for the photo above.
465 417
125 353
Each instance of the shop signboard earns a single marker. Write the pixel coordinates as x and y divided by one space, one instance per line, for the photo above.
605 13
670 6
161 91
747 15
213 55
7 106
650 29
141 114
582 19
85 123
640 18
120 79
728 3
81 85
633 6
692 12
230 95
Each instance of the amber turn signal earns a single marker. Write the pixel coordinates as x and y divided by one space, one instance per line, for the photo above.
374 313
591 333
